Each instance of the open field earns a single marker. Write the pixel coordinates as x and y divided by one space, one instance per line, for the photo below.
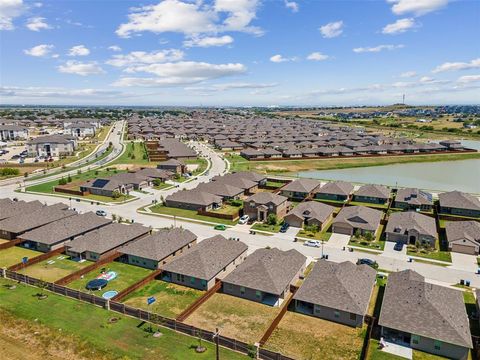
238 318
126 276
61 267
14 255
294 166
63 328
171 298
305 337
134 154
189 214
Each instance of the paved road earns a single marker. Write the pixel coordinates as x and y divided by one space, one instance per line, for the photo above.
389 260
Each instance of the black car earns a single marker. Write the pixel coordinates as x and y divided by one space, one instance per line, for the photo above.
398 246
284 227
368 262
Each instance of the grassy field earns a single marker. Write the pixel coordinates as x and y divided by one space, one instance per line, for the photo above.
61 267
189 214
70 329
14 255
126 276
134 154
238 318
294 166
306 337
172 299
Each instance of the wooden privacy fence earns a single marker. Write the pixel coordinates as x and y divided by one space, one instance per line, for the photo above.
10 243
137 285
37 259
76 275
196 304
172 324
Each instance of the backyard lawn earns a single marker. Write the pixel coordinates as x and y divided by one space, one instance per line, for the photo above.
14 255
375 206
237 318
189 214
3 241
54 268
374 353
126 276
306 337
171 299
62 328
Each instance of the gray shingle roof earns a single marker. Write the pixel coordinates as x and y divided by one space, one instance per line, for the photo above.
267 270
262 198
360 217
342 286
208 258
220 189
195 197
302 185
403 222
337 188
414 196
463 230
160 245
459 200
412 305
372 190
312 210
10 208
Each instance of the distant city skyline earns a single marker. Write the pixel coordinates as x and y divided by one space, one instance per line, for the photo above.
239 52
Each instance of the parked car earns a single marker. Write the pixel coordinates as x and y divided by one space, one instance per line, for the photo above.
220 227
398 246
284 227
244 219
101 213
312 243
368 262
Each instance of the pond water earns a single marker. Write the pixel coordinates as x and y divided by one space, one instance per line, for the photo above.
463 175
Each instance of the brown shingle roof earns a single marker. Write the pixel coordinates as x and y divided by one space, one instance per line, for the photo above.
459 200
360 217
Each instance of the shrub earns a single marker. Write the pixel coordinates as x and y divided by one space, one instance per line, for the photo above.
237 203
9 172
272 219
69 179
157 182
62 181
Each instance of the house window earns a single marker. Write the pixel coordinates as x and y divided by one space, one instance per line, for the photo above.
242 290
258 294
204 283
192 280
415 339
353 316
437 344
336 314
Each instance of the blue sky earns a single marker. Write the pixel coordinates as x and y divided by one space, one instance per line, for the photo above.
239 52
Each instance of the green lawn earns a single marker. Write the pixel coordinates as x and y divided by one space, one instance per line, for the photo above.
375 206
134 154
61 267
375 245
275 184
471 307
126 276
14 255
433 255
92 336
189 214
228 209
376 354
321 235
162 186
201 162
266 227
171 298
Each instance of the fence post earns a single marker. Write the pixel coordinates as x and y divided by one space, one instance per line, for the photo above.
4 272
107 304
257 350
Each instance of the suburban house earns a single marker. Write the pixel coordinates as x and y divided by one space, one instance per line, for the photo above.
463 236
335 191
55 234
310 213
266 276
260 179
100 242
459 203
12 227
353 218
300 188
10 208
155 250
260 205
227 192
413 199
173 165
239 181
51 146
213 258
424 316
152 174
373 194
338 292
193 200
106 187
411 227
13 132
80 130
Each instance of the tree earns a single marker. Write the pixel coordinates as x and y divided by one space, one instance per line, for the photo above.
62 181
272 219
157 182
69 179
116 194
358 234
368 236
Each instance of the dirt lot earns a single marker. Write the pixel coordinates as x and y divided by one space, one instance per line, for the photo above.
308 338
237 318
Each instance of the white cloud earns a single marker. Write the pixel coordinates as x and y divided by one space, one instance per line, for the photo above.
81 68
142 57
42 92
292 5
468 79
37 24
180 73
377 49
453 66
279 59
191 17
208 41
115 48
332 29
79 50
317 56
231 86
39 50
9 10
408 74
416 7
399 26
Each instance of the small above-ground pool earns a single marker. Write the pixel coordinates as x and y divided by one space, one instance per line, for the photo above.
109 294
96 284
109 276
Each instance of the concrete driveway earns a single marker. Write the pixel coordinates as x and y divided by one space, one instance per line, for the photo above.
389 251
464 262
338 241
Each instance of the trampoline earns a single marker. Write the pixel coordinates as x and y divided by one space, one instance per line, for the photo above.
109 294
96 284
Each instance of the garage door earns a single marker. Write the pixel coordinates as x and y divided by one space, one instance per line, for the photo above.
464 249
341 230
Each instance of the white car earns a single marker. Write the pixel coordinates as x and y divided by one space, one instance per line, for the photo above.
244 219
312 243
